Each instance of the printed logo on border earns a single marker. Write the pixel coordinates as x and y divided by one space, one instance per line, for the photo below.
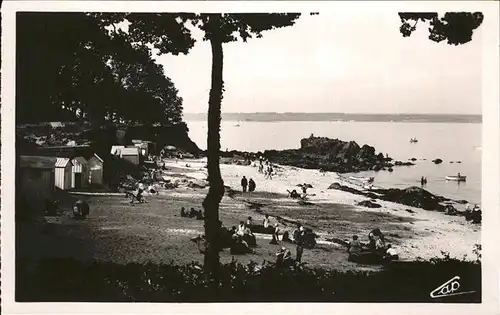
449 288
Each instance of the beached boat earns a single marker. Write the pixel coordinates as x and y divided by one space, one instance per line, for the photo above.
457 178
363 179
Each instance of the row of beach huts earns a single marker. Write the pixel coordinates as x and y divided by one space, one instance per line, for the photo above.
43 170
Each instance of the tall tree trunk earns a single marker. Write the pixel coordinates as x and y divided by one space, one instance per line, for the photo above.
216 190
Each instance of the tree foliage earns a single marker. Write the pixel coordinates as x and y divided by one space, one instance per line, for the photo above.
69 65
455 27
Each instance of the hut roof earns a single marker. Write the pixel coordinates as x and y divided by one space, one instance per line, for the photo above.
63 162
42 162
130 151
97 157
81 160
115 148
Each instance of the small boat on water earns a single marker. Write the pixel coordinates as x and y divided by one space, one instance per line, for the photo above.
413 140
457 178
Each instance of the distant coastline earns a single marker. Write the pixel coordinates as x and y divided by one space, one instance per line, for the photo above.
275 117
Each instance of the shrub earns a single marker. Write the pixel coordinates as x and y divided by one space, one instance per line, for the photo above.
67 280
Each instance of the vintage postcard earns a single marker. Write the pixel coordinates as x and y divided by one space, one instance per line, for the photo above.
206 157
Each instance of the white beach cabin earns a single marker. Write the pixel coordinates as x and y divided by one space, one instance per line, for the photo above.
96 169
80 172
63 173
116 149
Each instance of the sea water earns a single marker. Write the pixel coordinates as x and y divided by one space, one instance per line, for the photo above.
451 142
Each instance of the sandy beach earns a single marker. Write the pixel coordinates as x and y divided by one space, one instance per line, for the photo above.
117 231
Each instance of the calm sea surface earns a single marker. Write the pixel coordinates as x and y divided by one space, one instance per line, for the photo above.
448 141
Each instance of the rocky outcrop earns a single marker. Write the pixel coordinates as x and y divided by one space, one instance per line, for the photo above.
437 161
368 204
331 155
412 196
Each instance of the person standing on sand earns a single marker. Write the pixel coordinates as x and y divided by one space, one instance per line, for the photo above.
276 232
270 171
244 183
300 245
251 185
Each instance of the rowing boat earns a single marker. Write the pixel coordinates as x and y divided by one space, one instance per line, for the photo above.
457 178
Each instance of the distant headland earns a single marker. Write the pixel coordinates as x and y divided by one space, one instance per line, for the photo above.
270 117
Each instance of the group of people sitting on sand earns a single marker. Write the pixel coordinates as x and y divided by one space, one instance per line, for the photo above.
192 213
375 252
473 215
241 239
250 184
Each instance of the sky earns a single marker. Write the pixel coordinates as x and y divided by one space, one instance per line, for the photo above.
336 62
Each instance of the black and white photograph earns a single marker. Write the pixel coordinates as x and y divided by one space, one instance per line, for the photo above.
270 154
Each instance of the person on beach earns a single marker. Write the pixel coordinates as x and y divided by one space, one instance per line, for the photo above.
249 237
270 171
244 183
297 231
241 229
284 257
249 221
266 221
81 210
138 196
391 253
300 245
304 189
276 232
251 185
239 246
354 249
183 212
375 236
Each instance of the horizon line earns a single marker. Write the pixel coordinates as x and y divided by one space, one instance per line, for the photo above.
456 114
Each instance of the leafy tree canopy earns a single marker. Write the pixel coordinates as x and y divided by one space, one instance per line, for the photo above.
455 27
70 65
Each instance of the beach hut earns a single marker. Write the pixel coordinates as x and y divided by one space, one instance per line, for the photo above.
130 154
143 148
115 149
96 169
63 173
151 147
35 183
80 172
